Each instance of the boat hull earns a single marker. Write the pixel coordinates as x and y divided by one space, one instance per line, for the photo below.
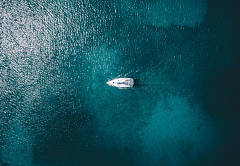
122 82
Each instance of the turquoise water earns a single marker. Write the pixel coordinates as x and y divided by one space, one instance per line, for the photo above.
56 108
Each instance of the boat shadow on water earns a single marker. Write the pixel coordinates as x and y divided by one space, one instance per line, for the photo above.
137 83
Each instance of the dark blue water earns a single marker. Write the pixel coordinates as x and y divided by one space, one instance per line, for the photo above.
56 108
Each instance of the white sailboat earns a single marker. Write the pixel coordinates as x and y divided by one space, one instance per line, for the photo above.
122 82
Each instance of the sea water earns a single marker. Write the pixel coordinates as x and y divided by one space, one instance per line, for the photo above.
56 108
